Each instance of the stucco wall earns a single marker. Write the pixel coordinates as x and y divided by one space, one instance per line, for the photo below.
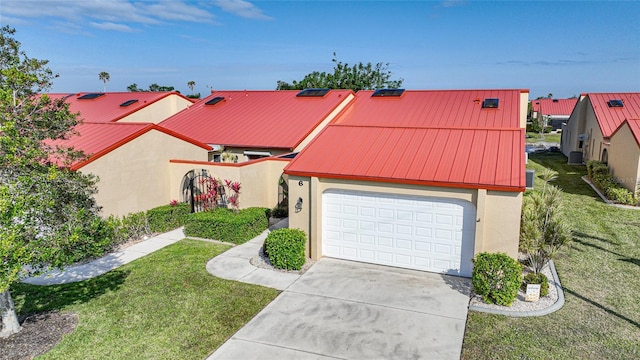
159 110
239 152
624 158
258 179
583 121
498 213
135 176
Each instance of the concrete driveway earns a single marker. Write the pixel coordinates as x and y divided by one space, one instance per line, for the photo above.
348 310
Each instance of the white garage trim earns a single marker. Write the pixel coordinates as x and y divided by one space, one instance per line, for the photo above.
416 232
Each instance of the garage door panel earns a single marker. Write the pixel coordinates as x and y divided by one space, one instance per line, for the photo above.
432 234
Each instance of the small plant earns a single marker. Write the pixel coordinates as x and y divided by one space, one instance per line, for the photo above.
543 231
496 277
539 278
280 212
167 217
286 248
174 202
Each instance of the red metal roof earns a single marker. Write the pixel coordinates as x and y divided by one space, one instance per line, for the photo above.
106 108
98 139
562 107
610 118
435 108
439 138
257 119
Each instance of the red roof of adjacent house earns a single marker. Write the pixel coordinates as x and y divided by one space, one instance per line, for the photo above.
107 107
438 138
562 107
98 139
257 119
610 118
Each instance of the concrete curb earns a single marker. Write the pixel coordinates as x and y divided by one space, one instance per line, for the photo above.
604 198
546 311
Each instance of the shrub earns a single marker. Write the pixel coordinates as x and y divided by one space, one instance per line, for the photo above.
86 240
539 278
280 212
226 225
543 231
496 277
168 217
286 248
598 172
130 227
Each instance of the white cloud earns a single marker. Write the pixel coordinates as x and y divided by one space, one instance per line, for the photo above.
117 15
242 8
111 26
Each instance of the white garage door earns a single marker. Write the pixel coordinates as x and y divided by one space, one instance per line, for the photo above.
422 233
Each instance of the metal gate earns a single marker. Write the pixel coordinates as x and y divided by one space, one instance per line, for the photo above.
202 191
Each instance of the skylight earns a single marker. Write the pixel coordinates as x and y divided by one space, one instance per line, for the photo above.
615 103
387 92
313 93
129 102
215 100
90 96
555 100
490 103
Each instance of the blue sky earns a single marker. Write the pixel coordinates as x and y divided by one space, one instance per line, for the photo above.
564 48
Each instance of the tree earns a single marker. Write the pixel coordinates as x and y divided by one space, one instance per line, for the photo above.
357 77
191 84
104 77
47 212
133 88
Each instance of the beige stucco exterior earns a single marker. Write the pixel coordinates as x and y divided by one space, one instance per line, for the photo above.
159 110
258 178
583 121
624 158
133 177
497 223
230 154
524 105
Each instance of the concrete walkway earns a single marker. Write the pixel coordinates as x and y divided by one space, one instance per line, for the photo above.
347 310
233 264
107 263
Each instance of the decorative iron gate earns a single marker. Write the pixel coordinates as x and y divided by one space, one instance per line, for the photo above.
202 191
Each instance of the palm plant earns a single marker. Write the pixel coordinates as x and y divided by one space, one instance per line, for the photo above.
104 77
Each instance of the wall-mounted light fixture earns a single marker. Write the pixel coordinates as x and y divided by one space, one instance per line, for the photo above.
299 205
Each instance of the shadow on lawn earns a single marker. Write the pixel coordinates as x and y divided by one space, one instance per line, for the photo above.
622 256
602 307
36 298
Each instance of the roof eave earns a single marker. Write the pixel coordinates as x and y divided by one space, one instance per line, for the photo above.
492 187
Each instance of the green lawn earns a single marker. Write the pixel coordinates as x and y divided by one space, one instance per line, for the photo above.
163 306
600 275
534 137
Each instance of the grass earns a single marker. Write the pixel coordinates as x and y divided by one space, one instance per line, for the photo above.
600 277
163 306
534 137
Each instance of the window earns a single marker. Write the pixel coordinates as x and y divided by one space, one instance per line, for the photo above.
615 103
215 100
129 102
387 92
490 103
313 93
90 96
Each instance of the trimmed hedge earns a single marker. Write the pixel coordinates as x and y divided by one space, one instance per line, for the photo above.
168 217
496 277
598 172
226 225
286 248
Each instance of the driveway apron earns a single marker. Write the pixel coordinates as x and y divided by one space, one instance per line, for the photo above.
348 310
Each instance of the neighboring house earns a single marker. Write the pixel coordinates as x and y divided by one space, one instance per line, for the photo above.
558 111
415 179
145 107
248 125
131 161
603 127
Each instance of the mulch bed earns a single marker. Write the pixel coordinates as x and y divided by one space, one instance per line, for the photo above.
39 334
